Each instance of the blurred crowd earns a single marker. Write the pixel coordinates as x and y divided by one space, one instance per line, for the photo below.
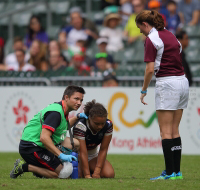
68 51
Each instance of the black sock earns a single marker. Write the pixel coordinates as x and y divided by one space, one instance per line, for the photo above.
168 145
25 167
177 154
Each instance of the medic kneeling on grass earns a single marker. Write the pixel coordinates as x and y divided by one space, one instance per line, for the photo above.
44 138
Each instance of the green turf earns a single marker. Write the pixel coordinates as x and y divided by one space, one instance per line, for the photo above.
132 172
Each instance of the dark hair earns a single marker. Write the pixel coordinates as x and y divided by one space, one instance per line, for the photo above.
21 50
83 42
30 31
153 18
110 77
180 34
93 109
172 2
70 90
17 39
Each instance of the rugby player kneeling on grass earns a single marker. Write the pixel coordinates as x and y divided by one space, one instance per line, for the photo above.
91 132
47 129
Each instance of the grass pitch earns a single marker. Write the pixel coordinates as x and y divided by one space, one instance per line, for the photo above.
132 172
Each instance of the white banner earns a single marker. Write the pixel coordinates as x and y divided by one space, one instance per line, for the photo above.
136 128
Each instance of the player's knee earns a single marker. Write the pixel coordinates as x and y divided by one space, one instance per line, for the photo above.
76 144
66 170
109 174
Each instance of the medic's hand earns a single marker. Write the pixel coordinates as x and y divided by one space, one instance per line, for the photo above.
67 158
82 115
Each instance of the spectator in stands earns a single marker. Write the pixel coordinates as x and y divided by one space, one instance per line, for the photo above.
155 5
184 40
77 63
22 64
189 11
102 64
35 32
110 80
125 11
54 46
62 40
115 35
83 45
106 3
79 29
11 58
173 21
132 32
1 50
38 55
102 43
55 61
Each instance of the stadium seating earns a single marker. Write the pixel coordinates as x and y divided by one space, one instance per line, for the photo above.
192 31
129 59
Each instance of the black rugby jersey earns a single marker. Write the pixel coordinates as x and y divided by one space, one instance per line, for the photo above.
82 131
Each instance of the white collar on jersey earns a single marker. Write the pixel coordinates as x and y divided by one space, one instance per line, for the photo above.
152 30
87 123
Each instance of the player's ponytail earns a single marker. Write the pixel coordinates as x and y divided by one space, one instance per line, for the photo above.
94 109
158 20
153 18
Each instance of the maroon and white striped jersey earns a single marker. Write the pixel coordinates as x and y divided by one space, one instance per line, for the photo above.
82 131
162 48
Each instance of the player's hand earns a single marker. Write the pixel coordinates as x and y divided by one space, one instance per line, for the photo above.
142 99
67 158
82 115
88 177
97 176
97 172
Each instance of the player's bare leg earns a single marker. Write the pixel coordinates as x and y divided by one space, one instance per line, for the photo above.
176 121
67 143
107 170
80 171
165 120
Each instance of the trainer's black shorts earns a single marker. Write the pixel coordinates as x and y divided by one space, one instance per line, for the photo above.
42 158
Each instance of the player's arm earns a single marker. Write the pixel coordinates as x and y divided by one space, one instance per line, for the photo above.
102 155
149 57
84 159
79 132
148 75
147 79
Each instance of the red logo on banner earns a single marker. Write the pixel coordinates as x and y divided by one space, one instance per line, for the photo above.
20 112
199 111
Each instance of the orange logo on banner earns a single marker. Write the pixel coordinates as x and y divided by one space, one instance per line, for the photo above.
138 121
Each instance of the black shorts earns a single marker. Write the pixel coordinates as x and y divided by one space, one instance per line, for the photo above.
42 158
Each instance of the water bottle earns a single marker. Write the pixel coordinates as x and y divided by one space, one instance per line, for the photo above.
74 174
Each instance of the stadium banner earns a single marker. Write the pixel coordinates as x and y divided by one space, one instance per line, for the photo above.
136 129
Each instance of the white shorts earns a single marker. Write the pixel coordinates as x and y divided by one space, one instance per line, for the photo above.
93 153
171 93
